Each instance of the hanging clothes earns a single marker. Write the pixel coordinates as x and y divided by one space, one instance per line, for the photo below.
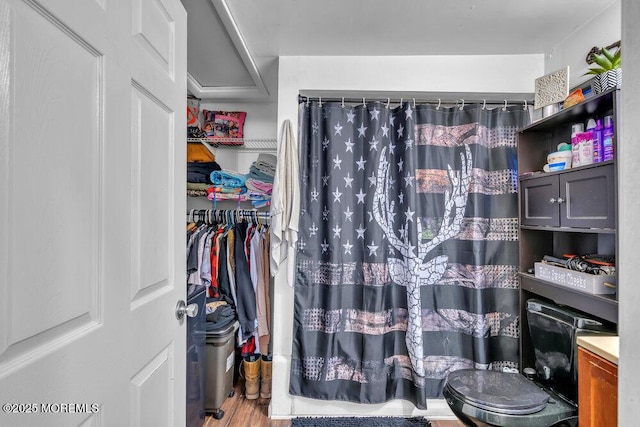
226 253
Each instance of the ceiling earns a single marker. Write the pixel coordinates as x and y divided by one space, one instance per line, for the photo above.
233 45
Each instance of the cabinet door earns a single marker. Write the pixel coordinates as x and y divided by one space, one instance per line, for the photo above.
538 201
597 391
588 198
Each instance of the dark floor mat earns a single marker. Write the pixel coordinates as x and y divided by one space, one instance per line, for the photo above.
360 422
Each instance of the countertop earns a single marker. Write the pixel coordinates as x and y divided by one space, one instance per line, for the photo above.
607 347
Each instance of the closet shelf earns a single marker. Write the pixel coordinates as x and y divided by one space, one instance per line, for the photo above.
239 143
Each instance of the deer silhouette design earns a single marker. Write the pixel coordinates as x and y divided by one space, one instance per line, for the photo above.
414 270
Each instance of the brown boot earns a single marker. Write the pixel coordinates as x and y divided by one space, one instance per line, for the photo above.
251 367
265 382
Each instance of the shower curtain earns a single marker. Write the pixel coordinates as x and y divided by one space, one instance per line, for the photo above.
407 252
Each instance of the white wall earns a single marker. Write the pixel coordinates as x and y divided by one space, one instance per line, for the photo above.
628 158
404 76
601 30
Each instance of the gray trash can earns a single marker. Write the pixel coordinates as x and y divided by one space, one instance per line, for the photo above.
220 345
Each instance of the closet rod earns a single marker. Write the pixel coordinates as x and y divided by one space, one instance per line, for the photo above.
435 102
221 214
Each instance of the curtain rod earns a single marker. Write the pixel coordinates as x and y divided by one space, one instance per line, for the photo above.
437 101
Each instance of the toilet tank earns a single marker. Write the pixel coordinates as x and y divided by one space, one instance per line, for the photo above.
553 330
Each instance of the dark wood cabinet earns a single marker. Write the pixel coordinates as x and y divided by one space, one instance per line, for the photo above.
582 198
597 391
538 201
564 212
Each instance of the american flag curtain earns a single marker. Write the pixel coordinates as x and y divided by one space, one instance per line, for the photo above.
407 252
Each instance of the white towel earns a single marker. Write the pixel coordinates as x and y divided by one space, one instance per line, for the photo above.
285 204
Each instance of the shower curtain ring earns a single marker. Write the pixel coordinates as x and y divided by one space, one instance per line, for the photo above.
401 102
414 103
320 101
343 102
525 105
484 104
388 102
308 101
364 102
439 102
505 106
462 106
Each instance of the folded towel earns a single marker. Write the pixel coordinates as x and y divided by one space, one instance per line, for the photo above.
267 163
228 179
226 190
258 186
256 173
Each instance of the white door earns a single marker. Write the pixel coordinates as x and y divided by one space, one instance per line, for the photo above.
92 207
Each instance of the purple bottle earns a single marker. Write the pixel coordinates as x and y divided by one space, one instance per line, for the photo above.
607 139
598 151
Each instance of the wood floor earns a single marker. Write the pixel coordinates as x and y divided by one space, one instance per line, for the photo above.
240 412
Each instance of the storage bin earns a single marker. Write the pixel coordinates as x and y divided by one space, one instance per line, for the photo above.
583 282
220 345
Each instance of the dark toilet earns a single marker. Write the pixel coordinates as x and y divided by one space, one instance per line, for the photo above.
549 398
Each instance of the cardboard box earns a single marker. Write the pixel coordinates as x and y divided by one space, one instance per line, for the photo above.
583 282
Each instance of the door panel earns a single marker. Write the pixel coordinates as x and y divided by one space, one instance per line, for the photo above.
92 102
589 198
152 131
536 201
52 253
154 31
152 403
597 390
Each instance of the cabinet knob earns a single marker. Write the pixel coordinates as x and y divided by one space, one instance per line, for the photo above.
560 200
552 200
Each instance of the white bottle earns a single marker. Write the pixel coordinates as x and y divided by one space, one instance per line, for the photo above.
575 143
586 146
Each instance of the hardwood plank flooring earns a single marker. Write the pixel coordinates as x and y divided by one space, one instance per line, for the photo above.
240 412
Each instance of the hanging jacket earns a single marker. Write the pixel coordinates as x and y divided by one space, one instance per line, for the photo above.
244 288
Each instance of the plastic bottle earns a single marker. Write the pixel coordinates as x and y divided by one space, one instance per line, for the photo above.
598 152
586 144
576 129
607 139
586 148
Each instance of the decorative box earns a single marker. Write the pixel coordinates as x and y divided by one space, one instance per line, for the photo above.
583 282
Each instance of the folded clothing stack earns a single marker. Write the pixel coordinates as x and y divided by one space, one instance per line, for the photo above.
260 178
200 163
227 179
229 185
264 168
199 172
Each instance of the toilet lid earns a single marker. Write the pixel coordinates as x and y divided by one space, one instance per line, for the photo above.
501 392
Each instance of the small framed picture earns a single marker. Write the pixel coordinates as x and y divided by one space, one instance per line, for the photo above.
552 88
